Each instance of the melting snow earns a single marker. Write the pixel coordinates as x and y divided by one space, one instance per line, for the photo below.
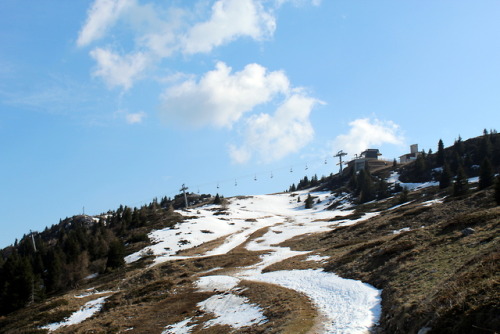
434 201
404 229
87 311
350 306
317 258
179 328
218 283
232 310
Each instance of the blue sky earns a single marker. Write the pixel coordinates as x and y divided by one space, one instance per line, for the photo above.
111 102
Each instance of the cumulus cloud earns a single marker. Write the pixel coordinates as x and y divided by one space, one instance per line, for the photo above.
365 133
101 16
117 70
229 20
135 118
270 138
220 97
160 31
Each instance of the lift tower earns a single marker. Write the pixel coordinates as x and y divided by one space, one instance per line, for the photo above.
183 189
340 154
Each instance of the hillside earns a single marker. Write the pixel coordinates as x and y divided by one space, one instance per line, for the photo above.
364 255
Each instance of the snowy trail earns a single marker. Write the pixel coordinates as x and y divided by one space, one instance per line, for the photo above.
347 306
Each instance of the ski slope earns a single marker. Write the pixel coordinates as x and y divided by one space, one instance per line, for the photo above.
347 306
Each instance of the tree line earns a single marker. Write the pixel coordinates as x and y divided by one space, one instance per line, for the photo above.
59 258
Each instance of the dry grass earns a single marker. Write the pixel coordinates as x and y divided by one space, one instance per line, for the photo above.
431 276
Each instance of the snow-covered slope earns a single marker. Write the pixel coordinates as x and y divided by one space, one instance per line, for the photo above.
348 306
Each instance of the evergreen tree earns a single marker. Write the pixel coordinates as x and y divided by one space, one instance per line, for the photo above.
17 283
461 184
440 154
485 147
403 196
445 178
382 189
458 146
217 199
55 270
116 255
486 174
456 162
309 202
421 172
394 164
365 187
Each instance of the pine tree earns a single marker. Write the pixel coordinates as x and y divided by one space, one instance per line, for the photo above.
365 187
116 255
440 153
485 147
309 202
445 178
17 281
486 174
456 162
461 185
421 169
217 200
55 271
403 196
382 189
459 146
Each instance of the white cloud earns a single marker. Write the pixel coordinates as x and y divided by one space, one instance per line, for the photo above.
270 138
130 118
220 97
101 16
229 20
366 133
298 3
159 31
118 70
135 118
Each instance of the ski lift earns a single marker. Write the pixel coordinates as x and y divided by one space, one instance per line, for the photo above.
272 175
235 183
326 162
307 167
291 170
217 186
255 178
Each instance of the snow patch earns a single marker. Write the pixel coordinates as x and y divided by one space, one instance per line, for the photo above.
350 306
317 258
179 328
232 310
92 292
404 229
434 201
88 310
217 283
